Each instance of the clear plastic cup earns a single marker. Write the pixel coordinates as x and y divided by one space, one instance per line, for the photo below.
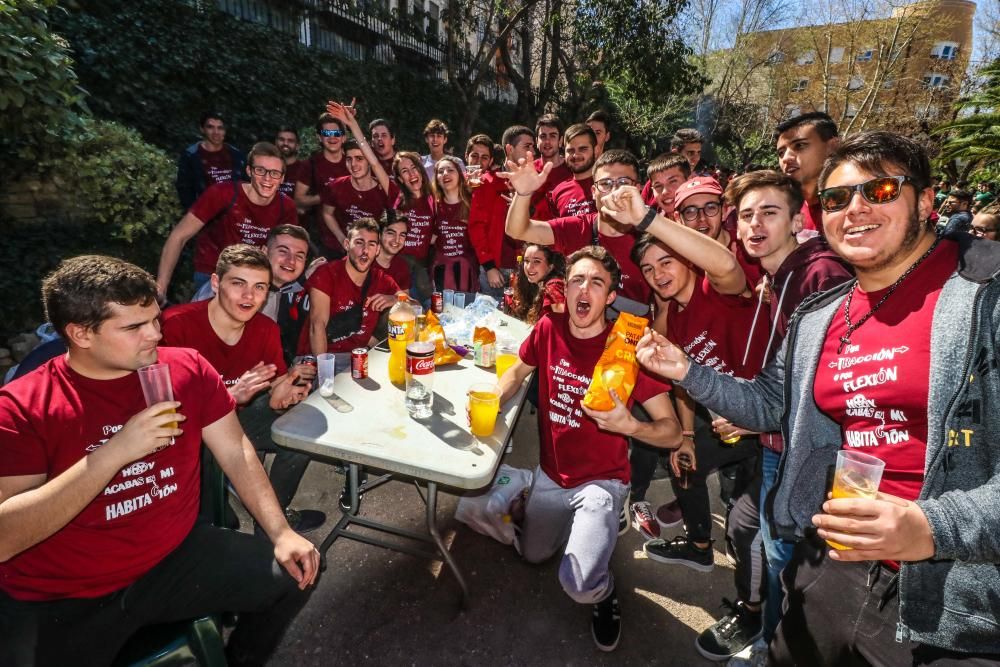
326 368
858 475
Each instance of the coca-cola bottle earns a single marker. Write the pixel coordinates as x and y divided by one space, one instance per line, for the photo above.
419 378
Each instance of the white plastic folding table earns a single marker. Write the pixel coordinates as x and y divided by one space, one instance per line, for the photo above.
365 424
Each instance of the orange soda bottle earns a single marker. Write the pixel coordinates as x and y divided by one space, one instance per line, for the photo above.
402 327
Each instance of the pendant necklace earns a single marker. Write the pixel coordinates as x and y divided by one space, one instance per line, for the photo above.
845 340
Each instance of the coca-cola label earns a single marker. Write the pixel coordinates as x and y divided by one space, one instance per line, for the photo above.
420 365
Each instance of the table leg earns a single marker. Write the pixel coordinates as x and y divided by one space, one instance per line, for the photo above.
432 528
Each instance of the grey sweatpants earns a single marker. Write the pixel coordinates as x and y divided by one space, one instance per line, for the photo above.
585 519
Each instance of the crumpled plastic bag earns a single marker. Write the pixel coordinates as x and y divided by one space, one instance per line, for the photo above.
617 368
489 513
433 332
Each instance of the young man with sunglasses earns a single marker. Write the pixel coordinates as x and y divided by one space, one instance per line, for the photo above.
568 234
228 213
900 364
322 166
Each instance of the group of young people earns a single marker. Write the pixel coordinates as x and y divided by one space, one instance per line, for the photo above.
792 313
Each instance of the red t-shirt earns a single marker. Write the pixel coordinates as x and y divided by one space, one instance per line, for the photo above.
350 205
714 330
571 198
573 449
53 417
452 230
399 271
292 176
539 200
243 222
573 233
217 165
750 265
187 325
332 279
812 216
324 171
419 225
877 388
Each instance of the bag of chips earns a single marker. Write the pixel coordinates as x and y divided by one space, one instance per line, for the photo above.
434 332
617 368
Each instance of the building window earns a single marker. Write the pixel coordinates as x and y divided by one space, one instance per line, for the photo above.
865 56
935 80
792 110
800 85
433 19
852 111
945 51
855 83
807 58
837 54
776 57
927 112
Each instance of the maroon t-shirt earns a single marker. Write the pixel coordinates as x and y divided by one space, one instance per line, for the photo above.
539 200
419 225
812 216
877 387
332 279
452 230
323 170
350 204
398 270
53 417
715 330
573 233
292 176
217 165
573 449
571 198
242 222
188 326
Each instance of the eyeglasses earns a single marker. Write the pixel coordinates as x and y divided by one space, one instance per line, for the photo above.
332 133
881 190
711 209
983 231
273 173
606 185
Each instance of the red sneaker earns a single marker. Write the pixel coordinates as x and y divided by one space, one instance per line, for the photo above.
644 520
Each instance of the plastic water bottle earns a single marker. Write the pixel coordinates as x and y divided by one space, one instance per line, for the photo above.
419 379
402 323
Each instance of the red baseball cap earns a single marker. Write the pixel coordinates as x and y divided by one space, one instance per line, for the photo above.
699 185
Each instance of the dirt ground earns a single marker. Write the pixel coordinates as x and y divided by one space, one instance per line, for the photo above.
374 606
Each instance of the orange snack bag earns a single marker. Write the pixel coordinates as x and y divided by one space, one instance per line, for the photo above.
617 368
433 332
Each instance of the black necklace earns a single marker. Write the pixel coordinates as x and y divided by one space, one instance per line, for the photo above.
851 328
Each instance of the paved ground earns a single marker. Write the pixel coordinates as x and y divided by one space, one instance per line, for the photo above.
374 606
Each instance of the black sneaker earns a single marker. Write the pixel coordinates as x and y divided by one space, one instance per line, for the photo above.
606 625
731 634
679 551
304 521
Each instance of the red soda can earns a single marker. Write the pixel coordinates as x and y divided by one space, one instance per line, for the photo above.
307 360
437 302
359 363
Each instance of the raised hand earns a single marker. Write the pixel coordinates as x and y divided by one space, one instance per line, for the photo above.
522 175
252 382
625 205
658 355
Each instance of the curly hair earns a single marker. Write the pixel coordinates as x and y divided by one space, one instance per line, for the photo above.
528 296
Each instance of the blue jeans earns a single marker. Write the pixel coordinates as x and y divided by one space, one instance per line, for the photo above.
778 551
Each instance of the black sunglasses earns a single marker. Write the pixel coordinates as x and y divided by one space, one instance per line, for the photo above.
880 190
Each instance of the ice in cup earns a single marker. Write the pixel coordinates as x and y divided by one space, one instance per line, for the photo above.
326 368
484 405
156 387
857 476
506 356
